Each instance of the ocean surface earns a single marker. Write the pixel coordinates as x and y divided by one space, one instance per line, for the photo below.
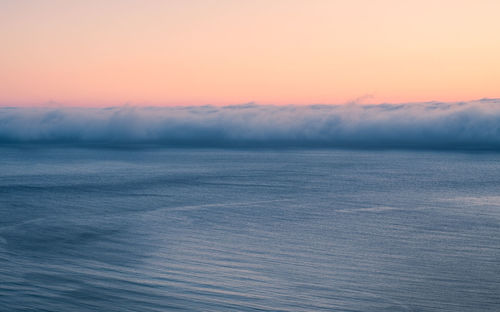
159 229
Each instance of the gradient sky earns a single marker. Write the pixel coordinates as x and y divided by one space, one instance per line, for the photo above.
190 52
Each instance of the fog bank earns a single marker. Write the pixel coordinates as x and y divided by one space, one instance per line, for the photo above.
467 125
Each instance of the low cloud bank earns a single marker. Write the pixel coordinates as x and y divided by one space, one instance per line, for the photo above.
462 125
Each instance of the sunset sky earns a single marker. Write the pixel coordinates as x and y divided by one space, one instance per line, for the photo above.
97 53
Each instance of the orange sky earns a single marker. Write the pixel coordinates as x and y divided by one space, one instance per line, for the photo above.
190 52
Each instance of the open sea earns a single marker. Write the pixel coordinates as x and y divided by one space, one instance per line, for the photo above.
164 229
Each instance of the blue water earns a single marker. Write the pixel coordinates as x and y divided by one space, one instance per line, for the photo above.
248 230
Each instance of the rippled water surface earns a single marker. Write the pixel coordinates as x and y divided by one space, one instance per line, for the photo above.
248 230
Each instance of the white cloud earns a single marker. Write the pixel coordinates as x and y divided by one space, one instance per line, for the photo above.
473 124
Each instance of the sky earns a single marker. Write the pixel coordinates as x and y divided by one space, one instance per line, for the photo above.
221 52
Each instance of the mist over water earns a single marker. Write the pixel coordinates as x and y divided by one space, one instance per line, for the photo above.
461 125
85 229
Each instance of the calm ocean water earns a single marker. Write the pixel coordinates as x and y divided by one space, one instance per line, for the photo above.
248 230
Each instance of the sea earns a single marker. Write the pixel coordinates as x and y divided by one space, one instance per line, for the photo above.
241 229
